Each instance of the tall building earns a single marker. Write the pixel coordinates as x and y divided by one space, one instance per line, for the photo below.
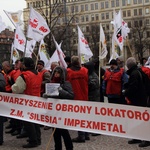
88 14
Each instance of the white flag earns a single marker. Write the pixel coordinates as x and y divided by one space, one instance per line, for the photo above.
29 48
103 51
43 53
54 58
125 29
15 17
2 25
84 51
37 28
14 54
147 64
60 54
117 22
114 52
19 39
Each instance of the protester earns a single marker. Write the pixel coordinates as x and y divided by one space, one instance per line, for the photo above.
29 83
78 77
44 73
65 92
113 84
135 92
93 83
10 76
100 73
2 89
53 65
120 62
68 61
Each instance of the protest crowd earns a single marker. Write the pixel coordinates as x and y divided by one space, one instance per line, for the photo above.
122 83
81 78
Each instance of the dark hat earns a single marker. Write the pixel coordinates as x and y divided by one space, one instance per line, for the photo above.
113 62
41 62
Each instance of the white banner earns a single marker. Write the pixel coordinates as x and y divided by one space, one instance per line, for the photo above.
109 119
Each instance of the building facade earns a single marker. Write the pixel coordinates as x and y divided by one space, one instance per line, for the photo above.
88 14
6 39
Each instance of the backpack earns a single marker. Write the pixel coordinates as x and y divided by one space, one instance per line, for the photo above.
145 76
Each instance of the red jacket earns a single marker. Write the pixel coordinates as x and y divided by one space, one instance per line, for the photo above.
33 83
79 82
146 70
113 82
10 78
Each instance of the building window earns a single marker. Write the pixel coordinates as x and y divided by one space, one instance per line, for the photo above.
77 20
107 26
123 3
129 24
33 4
92 6
140 11
147 21
106 4
96 6
135 23
72 9
135 12
129 13
124 13
76 9
146 1
97 17
87 18
107 15
117 3
102 5
134 1
112 4
140 23
87 28
92 17
102 16
82 18
147 10
128 2
148 34
86 7
140 1
82 7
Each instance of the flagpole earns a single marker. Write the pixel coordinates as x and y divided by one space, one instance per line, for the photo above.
79 54
9 18
100 50
25 48
27 31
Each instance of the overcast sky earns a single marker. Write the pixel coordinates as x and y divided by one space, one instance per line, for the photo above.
12 6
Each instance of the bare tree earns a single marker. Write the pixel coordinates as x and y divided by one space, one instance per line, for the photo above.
140 41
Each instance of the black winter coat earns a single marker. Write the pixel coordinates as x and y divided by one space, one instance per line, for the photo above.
134 89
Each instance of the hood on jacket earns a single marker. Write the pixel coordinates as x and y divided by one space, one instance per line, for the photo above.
62 71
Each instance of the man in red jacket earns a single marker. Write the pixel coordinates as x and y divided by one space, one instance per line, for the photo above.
29 83
78 77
